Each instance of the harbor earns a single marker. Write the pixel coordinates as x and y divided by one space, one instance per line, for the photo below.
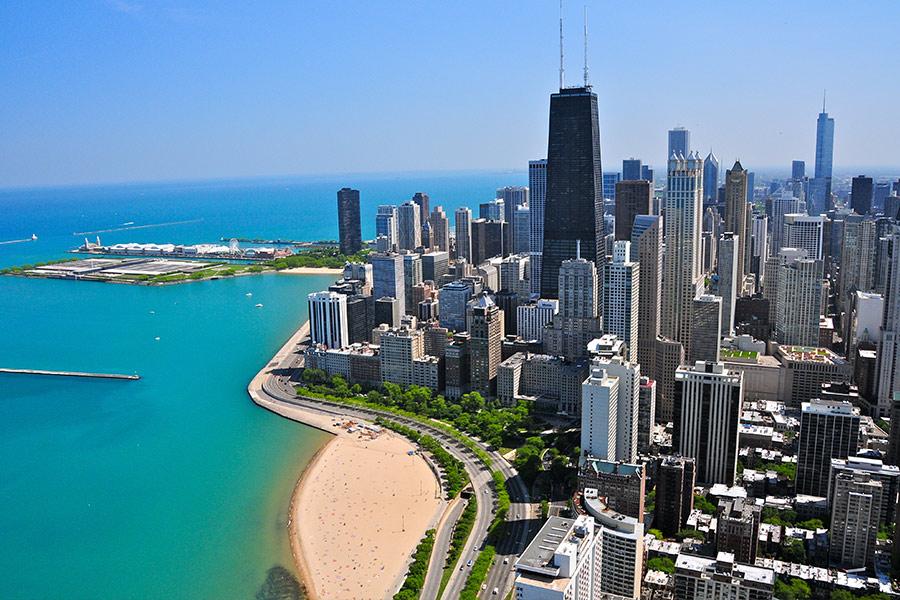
230 252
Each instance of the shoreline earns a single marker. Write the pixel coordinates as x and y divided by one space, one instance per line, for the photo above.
408 492
290 271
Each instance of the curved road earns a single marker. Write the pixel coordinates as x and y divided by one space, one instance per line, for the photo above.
275 386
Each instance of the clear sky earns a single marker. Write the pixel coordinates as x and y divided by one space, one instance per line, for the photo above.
138 90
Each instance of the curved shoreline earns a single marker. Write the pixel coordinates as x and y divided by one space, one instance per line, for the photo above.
341 469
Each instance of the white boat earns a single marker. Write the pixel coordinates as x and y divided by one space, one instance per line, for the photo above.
156 338
33 237
128 223
259 306
249 294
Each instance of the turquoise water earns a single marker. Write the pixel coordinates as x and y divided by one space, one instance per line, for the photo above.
175 486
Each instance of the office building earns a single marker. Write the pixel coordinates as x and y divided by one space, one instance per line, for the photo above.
533 317
486 336
440 229
537 189
676 477
682 261
463 223
820 186
647 250
610 180
521 231
457 367
573 211
328 323
514 197
861 195
679 143
737 528
577 322
710 178
599 412
388 311
668 357
412 276
759 247
409 226
855 510
621 294
386 225
435 265
798 170
646 415
349 232
806 369
702 578
857 258
631 170
707 409
493 210
627 404
737 215
633 197
888 367
828 429
804 231
706 331
454 299
794 283
782 205
726 271
487 240
387 276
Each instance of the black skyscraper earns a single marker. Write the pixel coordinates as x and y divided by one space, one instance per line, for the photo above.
349 234
574 206
861 195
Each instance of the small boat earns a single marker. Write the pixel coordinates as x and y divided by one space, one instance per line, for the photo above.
33 237
152 312
249 294
259 306
128 223
156 338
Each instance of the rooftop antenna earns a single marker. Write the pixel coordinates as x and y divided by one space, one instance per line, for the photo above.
561 69
586 84
823 99
578 249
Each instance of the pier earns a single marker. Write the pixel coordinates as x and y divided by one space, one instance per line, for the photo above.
71 374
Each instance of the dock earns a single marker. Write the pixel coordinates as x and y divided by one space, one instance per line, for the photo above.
71 374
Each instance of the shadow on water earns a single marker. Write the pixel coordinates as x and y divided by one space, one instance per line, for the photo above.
280 584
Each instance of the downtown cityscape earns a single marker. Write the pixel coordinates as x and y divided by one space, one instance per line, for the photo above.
668 373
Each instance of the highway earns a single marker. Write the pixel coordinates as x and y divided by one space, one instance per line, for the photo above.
439 553
276 386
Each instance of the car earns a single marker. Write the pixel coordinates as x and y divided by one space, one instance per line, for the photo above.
469 564
496 591
484 586
506 561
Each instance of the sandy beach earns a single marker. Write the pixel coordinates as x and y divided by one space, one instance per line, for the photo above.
312 271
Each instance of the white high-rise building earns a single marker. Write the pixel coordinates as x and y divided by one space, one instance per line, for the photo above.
463 222
759 247
621 295
627 403
798 298
328 319
782 205
561 562
857 258
537 186
647 249
386 224
708 400
521 228
599 411
620 548
701 578
682 264
888 356
804 231
409 226
531 318
727 272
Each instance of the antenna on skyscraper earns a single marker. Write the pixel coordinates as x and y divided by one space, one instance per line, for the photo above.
586 84
578 249
561 69
823 99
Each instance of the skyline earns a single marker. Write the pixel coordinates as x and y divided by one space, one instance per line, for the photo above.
159 93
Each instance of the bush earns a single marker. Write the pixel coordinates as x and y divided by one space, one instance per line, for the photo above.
661 563
792 589
415 575
702 504
477 575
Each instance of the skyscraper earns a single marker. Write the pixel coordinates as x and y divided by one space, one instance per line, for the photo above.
409 226
440 229
682 262
627 404
798 297
463 222
889 350
609 185
710 178
706 323
412 276
422 200
387 276
574 203
798 169
727 272
676 478
785 204
679 143
328 319
647 249
486 331
804 231
857 258
599 409
349 233
386 224
631 169
737 215
513 197
577 322
521 228
858 500
861 194
820 187
493 210
537 189
828 429
708 400
487 239
621 293
633 197
737 530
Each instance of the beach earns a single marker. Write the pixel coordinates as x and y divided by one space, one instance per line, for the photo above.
360 507
312 271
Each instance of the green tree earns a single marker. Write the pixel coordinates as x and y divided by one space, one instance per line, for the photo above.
792 589
661 563
472 402
702 504
686 533
656 533
793 550
811 524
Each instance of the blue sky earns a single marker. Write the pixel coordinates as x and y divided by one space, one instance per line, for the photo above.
134 90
